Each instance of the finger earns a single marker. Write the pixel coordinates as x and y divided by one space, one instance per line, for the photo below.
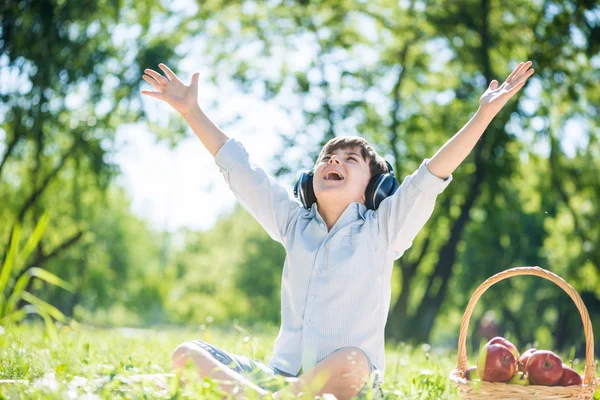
522 78
514 72
168 72
158 77
522 68
195 78
156 95
152 82
516 88
493 85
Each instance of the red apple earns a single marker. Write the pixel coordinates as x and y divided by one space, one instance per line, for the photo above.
569 377
522 365
519 379
505 342
544 368
496 363
471 373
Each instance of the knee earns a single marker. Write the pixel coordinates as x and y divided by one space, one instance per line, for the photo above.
185 352
354 368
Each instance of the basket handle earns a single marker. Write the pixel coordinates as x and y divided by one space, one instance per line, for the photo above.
590 370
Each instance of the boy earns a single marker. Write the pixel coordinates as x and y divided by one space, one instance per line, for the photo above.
335 292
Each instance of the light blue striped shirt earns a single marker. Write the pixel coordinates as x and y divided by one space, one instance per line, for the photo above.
336 286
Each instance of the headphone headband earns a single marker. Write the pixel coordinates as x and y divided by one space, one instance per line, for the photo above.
390 168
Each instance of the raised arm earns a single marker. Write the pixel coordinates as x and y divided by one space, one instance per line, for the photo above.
453 153
400 217
184 99
268 202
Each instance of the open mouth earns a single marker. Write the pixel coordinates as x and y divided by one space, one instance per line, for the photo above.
333 176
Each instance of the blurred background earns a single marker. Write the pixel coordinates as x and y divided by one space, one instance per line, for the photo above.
145 231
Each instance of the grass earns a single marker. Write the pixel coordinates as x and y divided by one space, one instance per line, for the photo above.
95 363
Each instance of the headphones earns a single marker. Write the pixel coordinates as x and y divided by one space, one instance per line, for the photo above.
380 186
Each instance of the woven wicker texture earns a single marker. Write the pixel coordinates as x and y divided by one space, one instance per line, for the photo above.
498 390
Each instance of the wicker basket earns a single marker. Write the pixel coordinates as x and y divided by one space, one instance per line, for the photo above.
497 390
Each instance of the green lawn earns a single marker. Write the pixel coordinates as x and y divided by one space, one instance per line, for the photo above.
100 363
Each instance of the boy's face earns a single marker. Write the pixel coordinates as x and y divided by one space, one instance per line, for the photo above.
341 177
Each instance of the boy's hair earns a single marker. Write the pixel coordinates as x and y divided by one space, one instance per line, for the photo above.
377 164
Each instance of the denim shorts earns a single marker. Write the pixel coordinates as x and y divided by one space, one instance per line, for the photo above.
273 379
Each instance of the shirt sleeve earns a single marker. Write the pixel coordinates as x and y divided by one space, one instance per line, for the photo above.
267 201
401 216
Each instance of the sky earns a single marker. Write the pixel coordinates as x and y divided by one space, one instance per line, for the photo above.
183 186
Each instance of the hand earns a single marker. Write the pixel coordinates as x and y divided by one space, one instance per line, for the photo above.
180 96
496 97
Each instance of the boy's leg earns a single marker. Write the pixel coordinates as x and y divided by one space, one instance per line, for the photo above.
343 373
214 363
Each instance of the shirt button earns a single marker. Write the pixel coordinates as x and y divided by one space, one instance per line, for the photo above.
318 272
309 322
322 225
313 298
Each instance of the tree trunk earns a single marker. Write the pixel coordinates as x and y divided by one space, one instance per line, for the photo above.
417 327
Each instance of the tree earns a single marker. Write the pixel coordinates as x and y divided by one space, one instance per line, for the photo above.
75 83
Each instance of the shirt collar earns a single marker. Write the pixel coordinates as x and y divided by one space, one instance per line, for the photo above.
355 210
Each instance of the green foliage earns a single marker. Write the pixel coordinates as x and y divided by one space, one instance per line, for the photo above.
14 277
258 276
232 271
74 79
121 270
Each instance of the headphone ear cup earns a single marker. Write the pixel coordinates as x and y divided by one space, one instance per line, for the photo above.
380 187
311 198
370 190
303 189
